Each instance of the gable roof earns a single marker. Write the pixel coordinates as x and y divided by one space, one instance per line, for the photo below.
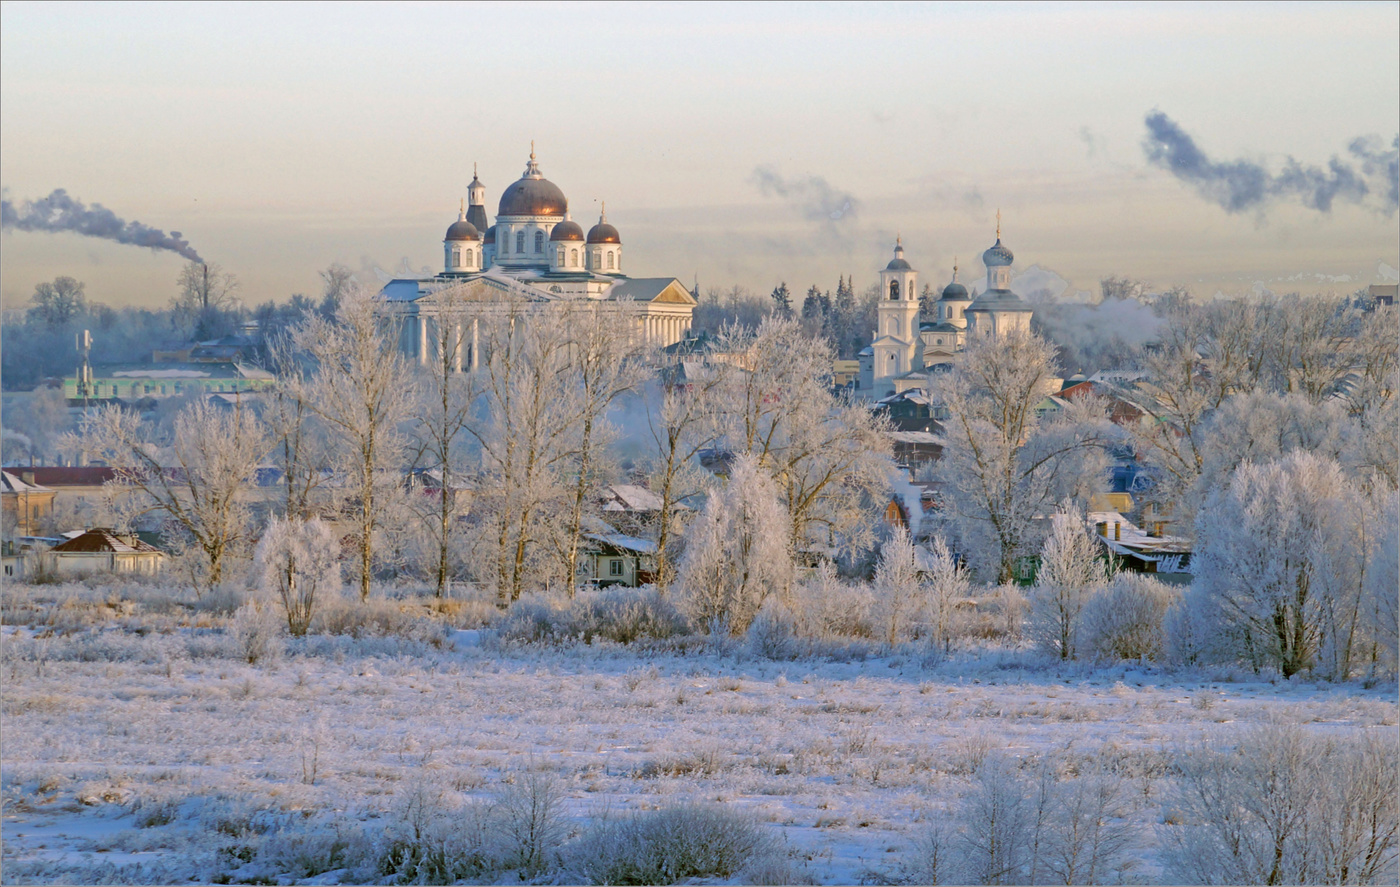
73 476
651 289
103 540
10 483
630 497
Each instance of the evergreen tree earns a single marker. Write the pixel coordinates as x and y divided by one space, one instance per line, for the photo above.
783 299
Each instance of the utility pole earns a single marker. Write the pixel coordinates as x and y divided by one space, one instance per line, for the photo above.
84 343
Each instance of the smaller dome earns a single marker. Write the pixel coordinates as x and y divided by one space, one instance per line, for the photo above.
462 230
490 234
955 292
997 255
603 232
566 230
899 265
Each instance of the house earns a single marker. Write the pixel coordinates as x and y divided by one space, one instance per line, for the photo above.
616 559
1137 549
915 448
131 382
102 550
1382 293
24 501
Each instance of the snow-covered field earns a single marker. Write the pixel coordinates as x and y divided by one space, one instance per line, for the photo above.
140 746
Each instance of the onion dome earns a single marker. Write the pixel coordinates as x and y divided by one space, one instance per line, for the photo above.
603 232
898 263
566 230
954 291
997 254
462 229
532 194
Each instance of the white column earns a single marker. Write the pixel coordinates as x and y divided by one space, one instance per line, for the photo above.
476 343
422 340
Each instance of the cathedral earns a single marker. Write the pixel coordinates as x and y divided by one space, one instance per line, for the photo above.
905 348
538 257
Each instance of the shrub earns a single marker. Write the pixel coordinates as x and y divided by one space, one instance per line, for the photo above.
1125 619
1284 808
256 633
669 845
298 562
625 615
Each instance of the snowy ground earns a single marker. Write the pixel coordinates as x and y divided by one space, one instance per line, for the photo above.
144 749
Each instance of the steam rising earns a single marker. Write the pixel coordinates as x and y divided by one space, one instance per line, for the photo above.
818 200
59 212
1240 185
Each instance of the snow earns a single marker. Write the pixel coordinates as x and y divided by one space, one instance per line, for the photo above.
848 760
161 374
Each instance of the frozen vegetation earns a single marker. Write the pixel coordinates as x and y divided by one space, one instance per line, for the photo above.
150 737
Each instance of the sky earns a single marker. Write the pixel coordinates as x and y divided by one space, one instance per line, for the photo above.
1220 147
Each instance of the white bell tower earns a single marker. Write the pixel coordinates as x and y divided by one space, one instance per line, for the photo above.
898 347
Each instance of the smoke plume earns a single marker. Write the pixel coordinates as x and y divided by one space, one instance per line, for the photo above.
1240 185
813 195
59 212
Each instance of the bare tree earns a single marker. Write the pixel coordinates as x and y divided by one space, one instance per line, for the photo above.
301 446
680 425
196 476
54 304
898 592
360 390
948 584
206 294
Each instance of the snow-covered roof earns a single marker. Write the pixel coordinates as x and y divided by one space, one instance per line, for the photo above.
13 484
101 539
630 497
622 542
914 437
1129 538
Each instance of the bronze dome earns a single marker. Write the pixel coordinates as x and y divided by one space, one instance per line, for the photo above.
566 230
532 197
462 230
603 233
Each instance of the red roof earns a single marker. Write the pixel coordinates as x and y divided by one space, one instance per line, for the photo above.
100 539
87 476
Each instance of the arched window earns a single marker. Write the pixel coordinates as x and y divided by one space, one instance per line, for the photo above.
894 289
610 260
456 257
520 241
539 241
573 258
559 255
597 259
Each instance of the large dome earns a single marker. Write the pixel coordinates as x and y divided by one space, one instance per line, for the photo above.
532 195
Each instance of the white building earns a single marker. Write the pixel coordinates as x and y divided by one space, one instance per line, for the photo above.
537 255
906 348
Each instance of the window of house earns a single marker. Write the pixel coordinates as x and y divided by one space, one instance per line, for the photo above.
520 241
539 241
615 567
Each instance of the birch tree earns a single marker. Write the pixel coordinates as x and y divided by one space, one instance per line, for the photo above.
360 390
680 423
197 476
1070 569
444 399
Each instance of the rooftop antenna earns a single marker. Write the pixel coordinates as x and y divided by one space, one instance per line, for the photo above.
998 223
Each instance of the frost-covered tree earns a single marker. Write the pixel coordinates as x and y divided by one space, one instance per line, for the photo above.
301 448
1002 464
948 583
826 455
1381 603
1279 558
360 390
1070 570
899 595
298 562
524 442
443 399
679 420
1126 619
737 554
196 475
602 367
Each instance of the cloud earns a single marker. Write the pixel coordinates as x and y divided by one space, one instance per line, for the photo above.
813 196
1240 185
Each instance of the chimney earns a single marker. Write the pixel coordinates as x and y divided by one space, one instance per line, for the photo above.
1117 531
1102 528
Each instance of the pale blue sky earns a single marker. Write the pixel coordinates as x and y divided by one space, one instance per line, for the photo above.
281 138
